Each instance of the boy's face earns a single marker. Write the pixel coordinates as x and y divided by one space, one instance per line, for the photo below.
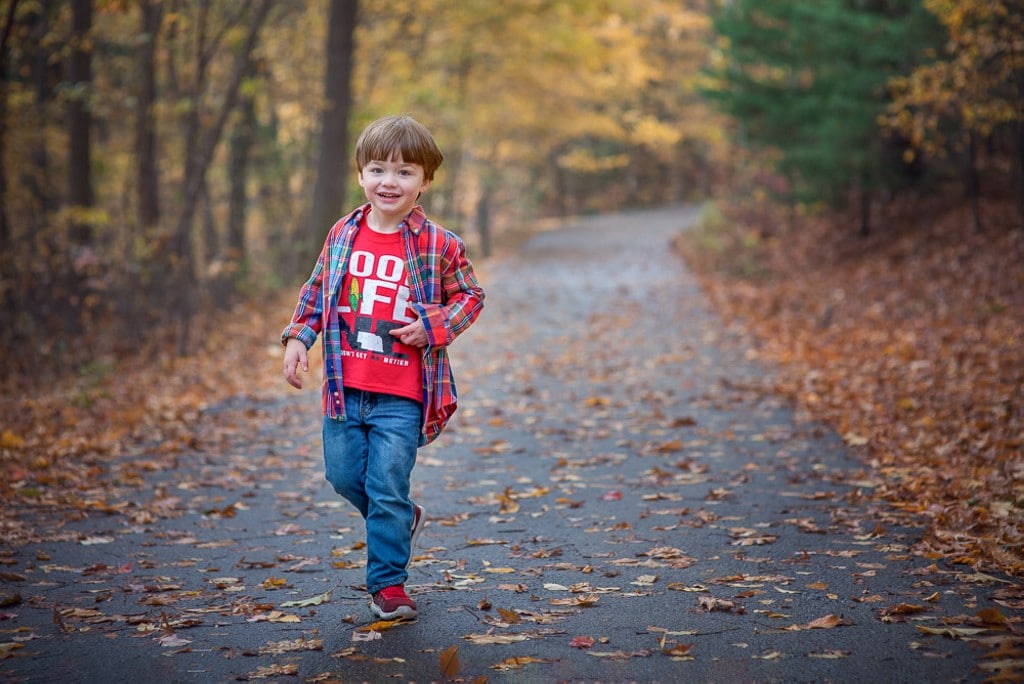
392 187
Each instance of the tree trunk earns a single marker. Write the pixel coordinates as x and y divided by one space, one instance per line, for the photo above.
199 149
1020 175
332 169
242 139
865 210
483 222
972 180
148 179
8 27
80 193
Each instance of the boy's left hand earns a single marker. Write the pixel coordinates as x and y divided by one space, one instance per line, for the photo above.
414 334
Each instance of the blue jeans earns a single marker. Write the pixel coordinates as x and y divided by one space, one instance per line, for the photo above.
368 459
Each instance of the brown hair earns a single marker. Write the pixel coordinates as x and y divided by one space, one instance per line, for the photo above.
402 136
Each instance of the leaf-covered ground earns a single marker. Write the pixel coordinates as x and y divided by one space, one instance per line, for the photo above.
910 343
622 496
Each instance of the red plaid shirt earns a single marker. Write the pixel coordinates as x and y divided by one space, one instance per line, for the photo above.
445 295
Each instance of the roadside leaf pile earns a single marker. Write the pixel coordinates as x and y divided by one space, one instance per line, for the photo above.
910 344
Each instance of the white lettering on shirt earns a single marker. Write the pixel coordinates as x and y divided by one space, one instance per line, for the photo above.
384 287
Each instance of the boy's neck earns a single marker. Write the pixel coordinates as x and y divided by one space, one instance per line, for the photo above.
379 223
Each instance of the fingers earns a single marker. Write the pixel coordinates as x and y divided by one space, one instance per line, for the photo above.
413 334
292 362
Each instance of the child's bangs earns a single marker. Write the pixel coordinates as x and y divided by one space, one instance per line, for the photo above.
396 144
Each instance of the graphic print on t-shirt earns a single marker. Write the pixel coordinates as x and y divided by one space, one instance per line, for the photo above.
382 280
375 301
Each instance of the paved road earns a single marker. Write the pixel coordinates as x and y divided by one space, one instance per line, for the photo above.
621 498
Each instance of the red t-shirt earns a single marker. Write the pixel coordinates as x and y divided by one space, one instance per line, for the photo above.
374 300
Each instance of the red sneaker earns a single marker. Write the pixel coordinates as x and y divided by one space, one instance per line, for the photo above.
392 603
419 517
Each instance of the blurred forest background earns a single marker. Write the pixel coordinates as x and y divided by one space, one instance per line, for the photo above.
168 171
160 159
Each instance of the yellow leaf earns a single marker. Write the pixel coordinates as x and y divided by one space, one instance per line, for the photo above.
380 625
9 440
274 583
518 662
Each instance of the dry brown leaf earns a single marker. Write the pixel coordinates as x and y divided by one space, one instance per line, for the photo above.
825 622
509 616
518 663
710 603
449 662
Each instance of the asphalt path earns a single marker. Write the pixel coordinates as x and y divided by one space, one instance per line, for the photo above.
620 498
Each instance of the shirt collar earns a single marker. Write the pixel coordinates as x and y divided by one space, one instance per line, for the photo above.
415 220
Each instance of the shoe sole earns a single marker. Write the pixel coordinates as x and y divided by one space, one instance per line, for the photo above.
400 613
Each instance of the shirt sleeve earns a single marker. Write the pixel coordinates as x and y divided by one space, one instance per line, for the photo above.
463 297
307 319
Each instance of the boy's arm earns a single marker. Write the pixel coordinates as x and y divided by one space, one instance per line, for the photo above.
307 319
464 298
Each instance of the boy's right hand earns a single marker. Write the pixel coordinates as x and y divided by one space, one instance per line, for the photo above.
295 356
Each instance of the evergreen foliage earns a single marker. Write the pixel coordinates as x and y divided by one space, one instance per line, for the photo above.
808 81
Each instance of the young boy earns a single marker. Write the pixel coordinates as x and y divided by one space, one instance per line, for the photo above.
389 292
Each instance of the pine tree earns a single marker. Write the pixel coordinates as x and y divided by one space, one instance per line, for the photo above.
808 81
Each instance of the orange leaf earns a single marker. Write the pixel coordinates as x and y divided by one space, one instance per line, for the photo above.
509 616
450 661
991 616
678 650
827 622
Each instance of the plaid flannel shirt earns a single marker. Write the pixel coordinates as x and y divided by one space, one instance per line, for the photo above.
444 293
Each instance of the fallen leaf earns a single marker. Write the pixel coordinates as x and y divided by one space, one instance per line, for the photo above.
482 639
581 642
382 625
509 616
678 650
449 662
952 632
826 622
710 603
518 663
904 609
313 601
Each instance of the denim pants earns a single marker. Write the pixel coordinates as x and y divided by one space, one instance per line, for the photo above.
368 459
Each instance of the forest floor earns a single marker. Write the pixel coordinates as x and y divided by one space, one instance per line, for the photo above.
626 482
909 343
